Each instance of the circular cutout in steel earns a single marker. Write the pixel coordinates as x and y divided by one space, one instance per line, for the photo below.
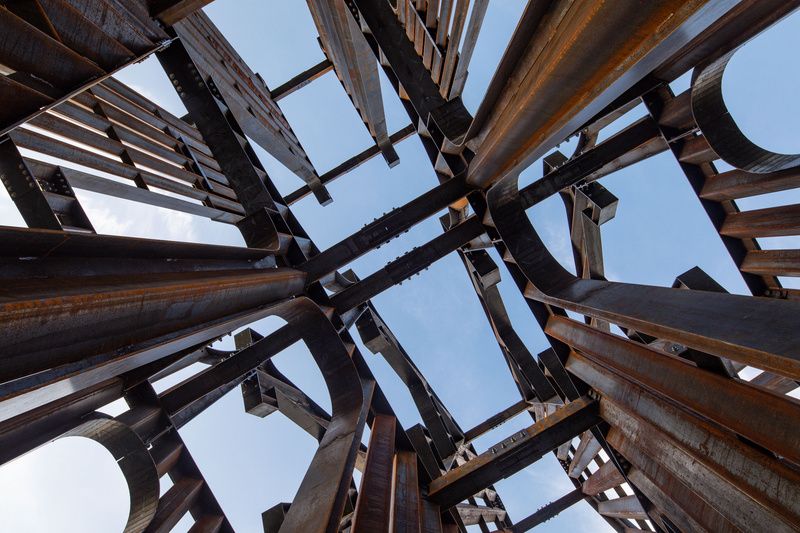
133 459
720 129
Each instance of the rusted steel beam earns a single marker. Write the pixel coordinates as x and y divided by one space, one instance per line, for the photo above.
243 94
641 133
378 338
587 207
273 517
89 182
356 67
529 109
587 450
163 437
473 515
231 369
33 253
698 174
421 442
268 391
20 182
683 506
373 507
747 19
134 461
755 414
770 222
384 229
742 483
123 311
513 454
28 100
174 504
453 42
448 116
551 510
30 397
39 425
604 478
775 383
696 151
66 371
710 484
737 184
406 503
485 275
496 420
171 11
625 507
723 135
319 506
25 48
406 266
301 80
465 55
350 164
63 150
709 322
696 279
49 70
24 242
215 128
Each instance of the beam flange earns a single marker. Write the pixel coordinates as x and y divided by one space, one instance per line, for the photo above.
515 453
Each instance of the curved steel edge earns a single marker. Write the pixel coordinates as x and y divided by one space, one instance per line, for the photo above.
721 324
720 129
134 461
320 500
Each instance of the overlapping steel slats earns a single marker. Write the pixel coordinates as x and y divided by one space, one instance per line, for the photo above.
51 50
356 68
651 424
247 97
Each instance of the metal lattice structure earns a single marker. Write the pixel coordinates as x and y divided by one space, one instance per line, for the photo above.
642 392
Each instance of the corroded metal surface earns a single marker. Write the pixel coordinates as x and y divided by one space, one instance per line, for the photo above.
641 394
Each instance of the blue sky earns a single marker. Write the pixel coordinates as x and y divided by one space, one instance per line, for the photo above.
251 464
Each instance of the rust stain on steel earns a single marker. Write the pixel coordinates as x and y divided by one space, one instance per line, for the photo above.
596 49
87 319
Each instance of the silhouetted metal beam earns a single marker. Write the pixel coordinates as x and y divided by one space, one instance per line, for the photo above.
350 164
514 453
373 509
301 80
551 510
378 338
407 265
356 67
496 420
232 369
449 116
639 134
171 11
384 229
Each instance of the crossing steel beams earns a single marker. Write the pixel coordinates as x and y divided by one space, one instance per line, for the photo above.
668 408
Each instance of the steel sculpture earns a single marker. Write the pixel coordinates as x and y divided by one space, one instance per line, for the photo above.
641 401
